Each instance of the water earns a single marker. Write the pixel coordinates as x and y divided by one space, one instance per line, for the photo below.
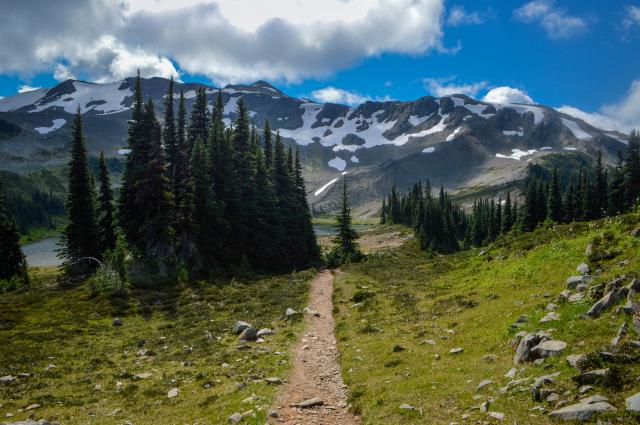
42 253
332 230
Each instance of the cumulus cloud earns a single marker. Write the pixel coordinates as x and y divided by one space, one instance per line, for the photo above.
631 18
458 15
104 40
555 21
444 87
26 88
335 95
622 116
506 94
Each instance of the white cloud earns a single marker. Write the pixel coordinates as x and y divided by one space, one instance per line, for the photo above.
632 17
26 88
286 40
555 21
507 95
388 83
622 116
459 16
62 73
335 95
442 87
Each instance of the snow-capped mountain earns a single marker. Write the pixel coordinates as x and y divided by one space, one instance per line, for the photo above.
454 140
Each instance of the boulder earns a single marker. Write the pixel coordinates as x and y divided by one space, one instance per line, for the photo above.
117 321
594 377
173 392
523 351
574 281
577 361
583 268
235 418
264 332
582 411
548 348
622 331
248 334
610 299
240 326
632 403
552 316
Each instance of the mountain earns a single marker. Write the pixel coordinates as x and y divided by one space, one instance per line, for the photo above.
466 145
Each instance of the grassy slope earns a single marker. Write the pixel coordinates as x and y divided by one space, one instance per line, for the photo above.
477 297
71 330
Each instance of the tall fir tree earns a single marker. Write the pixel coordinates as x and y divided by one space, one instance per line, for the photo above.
268 147
554 199
507 215
617 189
346 238
80 238
105 211
600 195
199 122
632 171
169 135
13 264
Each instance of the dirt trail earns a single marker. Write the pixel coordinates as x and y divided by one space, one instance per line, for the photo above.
315 371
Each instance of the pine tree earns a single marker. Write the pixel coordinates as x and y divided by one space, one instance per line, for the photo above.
308 235
600 196
569 203
268 147
80 237
507 216
529 216
13 264
199 123
346 237
617 189
554 199
169 135
632 171
105 209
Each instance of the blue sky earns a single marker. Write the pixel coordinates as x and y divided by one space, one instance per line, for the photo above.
581 54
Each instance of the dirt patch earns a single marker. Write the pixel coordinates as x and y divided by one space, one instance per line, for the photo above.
316 371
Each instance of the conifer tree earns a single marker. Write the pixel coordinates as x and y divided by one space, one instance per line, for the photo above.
507 216
169 135
529 216
80 237
308 236
105 209
346 237
600 196
268 147
617 189
199 123
554 199
13 264
632 170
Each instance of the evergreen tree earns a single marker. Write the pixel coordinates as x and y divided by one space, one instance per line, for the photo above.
105 209
169 136
600 196
13 264
554 200
346 237
308 236
81 236
617 189
529 216
199 123
268 147
507 216
632 171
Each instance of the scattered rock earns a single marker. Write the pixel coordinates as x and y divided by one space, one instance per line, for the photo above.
429 341
512 373
548 348
235 418
116 321
144 375
248 334
240 326
33 407
552 398
582 411
633 403
436 356
598 376
456 350
290 312
173 392
312 402
607 301
585 389
264 332
574 281
273 414
483 384
583 269
577 361
622 331
550 317
273 381
523 351
409 408
484 406
551 307
312 312
8 378
636 323
496 415
27 422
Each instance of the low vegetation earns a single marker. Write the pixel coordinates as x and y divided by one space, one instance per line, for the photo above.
399 314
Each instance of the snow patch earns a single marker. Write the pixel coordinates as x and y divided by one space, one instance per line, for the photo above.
520 132
430 149
338 163
57 123
546 148
354 159
516 154
20 100
404 138
454 134
124 151
576 130
569 148
325 187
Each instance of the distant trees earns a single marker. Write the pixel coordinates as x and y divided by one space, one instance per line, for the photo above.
443 226
13 265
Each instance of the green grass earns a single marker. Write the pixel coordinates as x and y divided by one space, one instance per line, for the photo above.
330 219
469 301
185 329
39 233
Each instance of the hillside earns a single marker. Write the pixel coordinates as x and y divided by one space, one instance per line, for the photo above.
462 143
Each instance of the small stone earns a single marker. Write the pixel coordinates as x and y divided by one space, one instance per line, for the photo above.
429 341
7 378
116 321
264 332
484 407
551 307
398 348
240 326
574 281
456 350
235 418
632 403
490 358
497 416
553 397
550 317
483 384
312 402
273 381
622 331
311 312
144 375
583 269
585 389
577 361
273 414
436 356
512 373
33 406
173 392
248 334
290 312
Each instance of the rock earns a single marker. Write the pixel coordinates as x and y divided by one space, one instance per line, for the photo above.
577 297
273 381
116 321
632 403
496 415
598 376
248 334
636 232
585 389
582 411
173 392
551 307
545 379
290 312
574 281
144 375
409 408
312 402
273 414
8 378
483 384
583 269
310 311
636 323
550 317
523 351
398 348
577 361
33 407
484 407
456 350
594 399
235 418
27 422
548 348
429 341
631 307
490 358
589 249
553 397
436 356
240 326
264 332
607 301
512 373
622 331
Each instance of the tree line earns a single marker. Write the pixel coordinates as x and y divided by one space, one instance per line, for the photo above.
198 198
442 225
37 209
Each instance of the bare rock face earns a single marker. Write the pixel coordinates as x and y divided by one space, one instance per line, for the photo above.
548 348
577 361
584 410
610 299
597 376
633 403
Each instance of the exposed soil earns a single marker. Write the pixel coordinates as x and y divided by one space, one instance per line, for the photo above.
316 371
